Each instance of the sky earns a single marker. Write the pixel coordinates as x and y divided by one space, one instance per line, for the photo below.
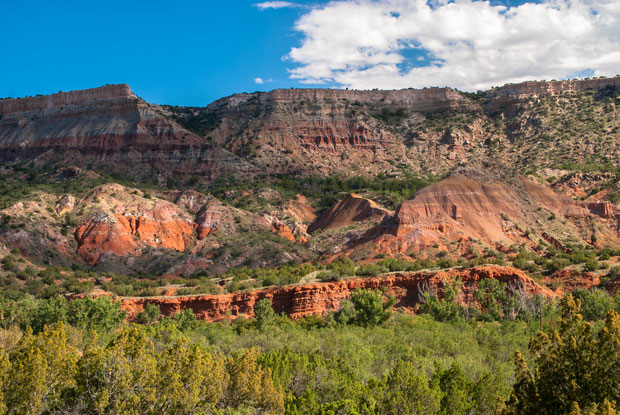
196 51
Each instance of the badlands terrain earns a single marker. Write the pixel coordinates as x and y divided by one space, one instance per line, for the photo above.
312 252
119 196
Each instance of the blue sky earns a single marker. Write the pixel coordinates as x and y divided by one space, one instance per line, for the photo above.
177 52
193 52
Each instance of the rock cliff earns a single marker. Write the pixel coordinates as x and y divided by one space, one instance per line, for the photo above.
350 132
303 300
111 129
309 131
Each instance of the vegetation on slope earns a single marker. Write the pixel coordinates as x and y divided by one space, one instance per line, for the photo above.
360 359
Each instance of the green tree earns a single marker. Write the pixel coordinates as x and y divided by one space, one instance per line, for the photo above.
190 380
186 320
407 390
365 308
101 313
575 367
149 315
5 367
264 315
448 309
26 381
42 371
251 385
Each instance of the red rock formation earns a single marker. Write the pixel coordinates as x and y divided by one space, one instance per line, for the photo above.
455 208
353 208
569 280
282 229
124 221
473 205
104 234
61 99
208 218
303 300
121 235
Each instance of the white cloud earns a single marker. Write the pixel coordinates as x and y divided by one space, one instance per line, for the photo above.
275 5
470 44
258 80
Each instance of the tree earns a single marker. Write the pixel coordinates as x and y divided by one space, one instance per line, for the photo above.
365 308
42 369
448 309
149 315
95 313
186 320
264 315
407 391
5 366
189 379
575 367
251 385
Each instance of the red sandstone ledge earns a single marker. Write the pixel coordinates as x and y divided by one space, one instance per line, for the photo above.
299 301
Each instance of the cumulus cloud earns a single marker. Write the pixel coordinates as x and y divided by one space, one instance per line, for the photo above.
275 5
467 44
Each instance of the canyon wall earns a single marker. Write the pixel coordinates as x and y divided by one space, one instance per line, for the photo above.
111 129
299 301
45 102
554 87
427 99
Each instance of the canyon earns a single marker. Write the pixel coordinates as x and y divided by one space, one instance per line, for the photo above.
111 183
308 131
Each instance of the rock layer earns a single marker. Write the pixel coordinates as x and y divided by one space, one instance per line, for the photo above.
304 300
109 128
476 206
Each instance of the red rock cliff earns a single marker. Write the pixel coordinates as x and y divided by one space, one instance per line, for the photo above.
303 300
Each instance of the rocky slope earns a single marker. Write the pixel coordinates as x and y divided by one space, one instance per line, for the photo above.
125 230
109 129
353 208
566 125
564 137
426 131
304 300
473 209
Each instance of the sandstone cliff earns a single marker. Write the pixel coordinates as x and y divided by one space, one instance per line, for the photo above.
349 132
313 131
303 300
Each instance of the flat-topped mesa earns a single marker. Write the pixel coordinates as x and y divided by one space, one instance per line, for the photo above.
427 99
555 87
44 102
